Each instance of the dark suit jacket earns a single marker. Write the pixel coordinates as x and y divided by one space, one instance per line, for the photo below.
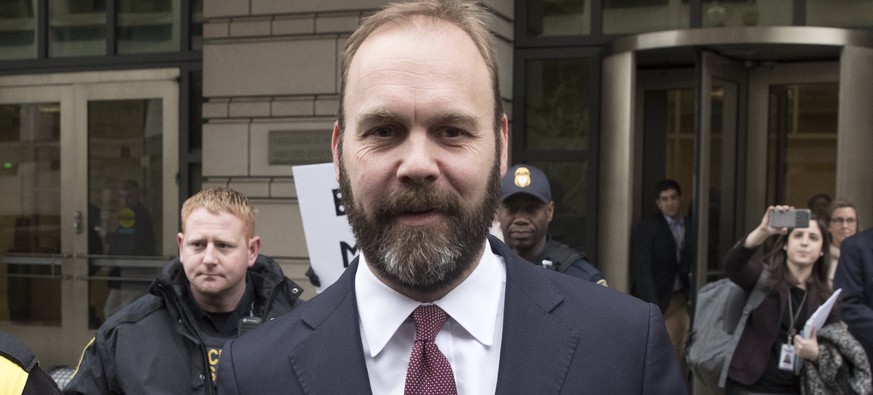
855 276
560 335
653 262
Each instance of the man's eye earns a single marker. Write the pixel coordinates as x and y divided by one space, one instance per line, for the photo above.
452 132
382 132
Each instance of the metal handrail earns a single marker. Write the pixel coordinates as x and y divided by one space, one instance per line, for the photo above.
35 276
122 279
33 259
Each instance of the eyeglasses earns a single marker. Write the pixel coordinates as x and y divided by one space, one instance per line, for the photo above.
841 220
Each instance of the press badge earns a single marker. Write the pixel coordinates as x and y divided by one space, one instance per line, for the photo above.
787 357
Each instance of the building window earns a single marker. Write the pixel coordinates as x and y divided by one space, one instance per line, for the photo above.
77 28
554 119
17 29
558 17
148 26
638 16
846 13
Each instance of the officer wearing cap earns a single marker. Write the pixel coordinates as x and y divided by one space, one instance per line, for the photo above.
525 213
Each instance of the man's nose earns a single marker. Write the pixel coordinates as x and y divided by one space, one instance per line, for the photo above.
209 253
521 220
418 162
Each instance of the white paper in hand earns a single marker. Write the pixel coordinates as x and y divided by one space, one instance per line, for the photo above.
818 318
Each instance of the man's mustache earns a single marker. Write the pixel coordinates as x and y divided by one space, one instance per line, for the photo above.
418 198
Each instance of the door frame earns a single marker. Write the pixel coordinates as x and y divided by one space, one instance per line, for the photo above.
62 345
760 81
619 181
711 71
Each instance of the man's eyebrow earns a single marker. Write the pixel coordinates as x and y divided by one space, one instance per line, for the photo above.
380 116
192 240
457 118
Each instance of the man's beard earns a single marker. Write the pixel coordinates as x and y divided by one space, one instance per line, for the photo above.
422 258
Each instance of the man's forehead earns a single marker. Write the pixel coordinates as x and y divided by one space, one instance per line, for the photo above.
399 61
450 38
668 193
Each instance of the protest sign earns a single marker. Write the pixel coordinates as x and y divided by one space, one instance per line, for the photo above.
329 237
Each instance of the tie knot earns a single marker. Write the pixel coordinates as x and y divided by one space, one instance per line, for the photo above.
428 321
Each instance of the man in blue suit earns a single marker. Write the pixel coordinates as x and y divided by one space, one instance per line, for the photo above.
419 147
662 256
855 276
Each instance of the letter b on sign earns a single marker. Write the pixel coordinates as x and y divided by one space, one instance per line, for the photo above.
338 203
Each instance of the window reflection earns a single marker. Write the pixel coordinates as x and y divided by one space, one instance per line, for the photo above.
849 13
558 17
718 13
148 26
30 236
196 25
638 16
77 28
17 29
125 194
556 104
802 142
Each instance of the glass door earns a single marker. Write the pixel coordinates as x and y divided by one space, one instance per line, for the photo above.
793 135
691 125
802 143
722 86
89 164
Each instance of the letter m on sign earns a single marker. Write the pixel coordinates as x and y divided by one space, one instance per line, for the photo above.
348 252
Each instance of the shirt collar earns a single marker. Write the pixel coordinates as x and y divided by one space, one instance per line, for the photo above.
382 310
680 220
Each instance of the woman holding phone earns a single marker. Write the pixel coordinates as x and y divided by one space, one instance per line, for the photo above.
771 356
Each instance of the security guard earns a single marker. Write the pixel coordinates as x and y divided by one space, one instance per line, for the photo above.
525 214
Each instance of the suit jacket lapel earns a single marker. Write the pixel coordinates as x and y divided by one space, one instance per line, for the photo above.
537 348
335 323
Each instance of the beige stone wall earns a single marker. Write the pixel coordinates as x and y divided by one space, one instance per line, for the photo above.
274 65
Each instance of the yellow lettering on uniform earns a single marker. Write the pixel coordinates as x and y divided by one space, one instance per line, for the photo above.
213 354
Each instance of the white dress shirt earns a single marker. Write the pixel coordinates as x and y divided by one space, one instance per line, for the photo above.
470 339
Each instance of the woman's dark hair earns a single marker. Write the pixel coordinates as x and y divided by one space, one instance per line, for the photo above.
817 284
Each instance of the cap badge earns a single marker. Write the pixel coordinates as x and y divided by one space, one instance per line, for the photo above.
522 177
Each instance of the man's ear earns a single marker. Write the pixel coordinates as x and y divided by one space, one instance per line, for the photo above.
334 148
180 241
550 209
254 249
503 140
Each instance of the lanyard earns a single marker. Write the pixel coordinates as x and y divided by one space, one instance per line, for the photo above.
792 316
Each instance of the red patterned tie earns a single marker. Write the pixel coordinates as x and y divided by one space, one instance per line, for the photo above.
429 372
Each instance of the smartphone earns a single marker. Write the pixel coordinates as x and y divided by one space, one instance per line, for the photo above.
795 218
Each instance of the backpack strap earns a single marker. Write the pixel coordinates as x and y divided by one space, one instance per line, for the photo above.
562 256
755 298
